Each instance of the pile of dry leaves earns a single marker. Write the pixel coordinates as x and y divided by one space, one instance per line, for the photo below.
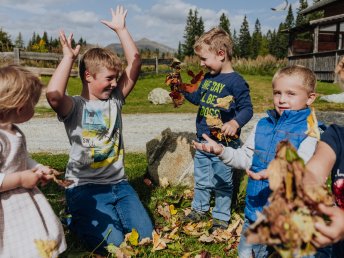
288 222
169 234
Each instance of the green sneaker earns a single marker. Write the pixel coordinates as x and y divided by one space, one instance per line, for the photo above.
195 216
218 224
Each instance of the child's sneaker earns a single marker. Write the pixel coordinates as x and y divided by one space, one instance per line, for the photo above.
218 224
195 216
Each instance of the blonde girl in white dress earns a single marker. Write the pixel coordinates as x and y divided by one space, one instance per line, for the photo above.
28 225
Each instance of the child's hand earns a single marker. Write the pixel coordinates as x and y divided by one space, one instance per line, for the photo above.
118 19
230 128
29 178
66 44
211 146
47 174
333 232
261 175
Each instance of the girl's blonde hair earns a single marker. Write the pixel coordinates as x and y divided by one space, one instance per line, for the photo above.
215 39
97 58
306 75
18 86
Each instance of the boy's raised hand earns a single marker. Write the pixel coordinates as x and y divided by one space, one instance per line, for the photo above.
210 146
67 48
118 19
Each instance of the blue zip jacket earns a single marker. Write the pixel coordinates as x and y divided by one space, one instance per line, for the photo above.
270 130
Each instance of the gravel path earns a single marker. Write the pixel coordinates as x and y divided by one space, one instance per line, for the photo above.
48 135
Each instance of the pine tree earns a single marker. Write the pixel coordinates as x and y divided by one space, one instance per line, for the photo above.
194 28
315 15
264 47
272 42
225 24
300 18
5 41
281 42
19 42
289 19
179 53
236 46
245 39
256 40
200 27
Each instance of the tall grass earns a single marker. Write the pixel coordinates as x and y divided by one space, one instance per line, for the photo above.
262 65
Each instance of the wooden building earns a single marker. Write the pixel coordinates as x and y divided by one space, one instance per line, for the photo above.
319 44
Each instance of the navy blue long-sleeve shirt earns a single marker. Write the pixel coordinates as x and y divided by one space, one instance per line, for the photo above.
217 86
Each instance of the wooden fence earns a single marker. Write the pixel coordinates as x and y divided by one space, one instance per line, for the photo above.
322 63
20 55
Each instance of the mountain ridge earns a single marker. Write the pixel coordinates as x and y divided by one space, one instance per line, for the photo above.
143 44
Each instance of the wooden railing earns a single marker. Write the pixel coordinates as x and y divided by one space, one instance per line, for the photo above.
322 63
20 55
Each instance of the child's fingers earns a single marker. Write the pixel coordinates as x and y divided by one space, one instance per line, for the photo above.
207 138
321 240
325 233
329 211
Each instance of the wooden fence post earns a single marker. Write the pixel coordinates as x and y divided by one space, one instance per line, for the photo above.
16 56
156 65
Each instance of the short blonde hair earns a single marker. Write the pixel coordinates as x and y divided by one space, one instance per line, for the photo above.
306 75
18 86
215 39
96 58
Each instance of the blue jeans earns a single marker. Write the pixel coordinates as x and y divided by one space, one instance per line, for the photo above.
245 249
106 212
212 175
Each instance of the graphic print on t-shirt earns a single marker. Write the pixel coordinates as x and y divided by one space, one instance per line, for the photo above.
96 136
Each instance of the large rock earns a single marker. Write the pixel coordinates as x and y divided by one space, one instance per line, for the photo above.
336 98
159 96
170 158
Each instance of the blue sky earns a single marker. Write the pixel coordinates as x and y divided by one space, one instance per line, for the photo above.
162 21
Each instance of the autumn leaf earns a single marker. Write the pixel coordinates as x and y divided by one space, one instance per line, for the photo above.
163 182
158 242
215 124
312 126
164 210
46 248
173 211
134 237
213 121
61 182
224 102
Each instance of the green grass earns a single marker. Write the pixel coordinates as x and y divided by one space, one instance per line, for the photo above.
151 197
260 86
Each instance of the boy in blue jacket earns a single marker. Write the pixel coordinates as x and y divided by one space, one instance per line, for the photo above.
293 93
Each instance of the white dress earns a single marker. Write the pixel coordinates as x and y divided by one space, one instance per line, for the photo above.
26 217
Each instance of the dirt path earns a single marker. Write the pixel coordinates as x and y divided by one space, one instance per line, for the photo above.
48 135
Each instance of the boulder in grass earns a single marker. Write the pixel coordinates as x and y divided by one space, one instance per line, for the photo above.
170 158
335 98
159 96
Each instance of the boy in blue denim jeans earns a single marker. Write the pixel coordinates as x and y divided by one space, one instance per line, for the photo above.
293 93
102 203
214 49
